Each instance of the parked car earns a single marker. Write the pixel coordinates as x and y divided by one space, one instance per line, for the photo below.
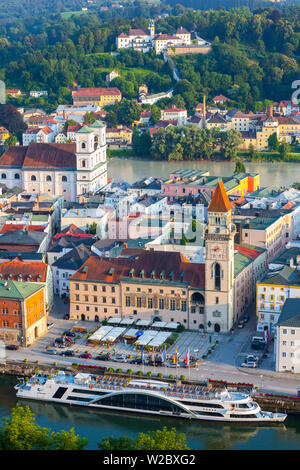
103 357
49 325
59 340
258 343
157 362
251 364
66 316
86 356
137 360
51 351
119 359
251 358
246 318
240 324
12 347
68 353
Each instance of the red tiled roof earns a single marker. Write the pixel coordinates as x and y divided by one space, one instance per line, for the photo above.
38 155
137 32
18 267
249 252
13 227
220 98
96 92
148 261
71 229
220 201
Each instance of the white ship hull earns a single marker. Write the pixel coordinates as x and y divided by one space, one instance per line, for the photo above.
147 397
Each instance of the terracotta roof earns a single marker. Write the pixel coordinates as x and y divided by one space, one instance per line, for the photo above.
148 262
182 30
16 267
13 227
96 92
220 98
137 32
249 252
38 155
72 229
220 201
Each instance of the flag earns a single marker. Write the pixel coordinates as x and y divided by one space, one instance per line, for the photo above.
175 357
187 357
142 352
164 355
153 354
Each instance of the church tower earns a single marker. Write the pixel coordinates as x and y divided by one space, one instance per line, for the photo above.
151 28
219 263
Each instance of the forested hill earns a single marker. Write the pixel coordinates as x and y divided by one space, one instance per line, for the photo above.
255 55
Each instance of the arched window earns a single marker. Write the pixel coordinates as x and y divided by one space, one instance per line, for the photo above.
83 146
17 176
48 178
217 276
64 178
3 176
83 163
33 178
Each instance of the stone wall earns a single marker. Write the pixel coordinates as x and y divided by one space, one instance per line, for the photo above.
182 50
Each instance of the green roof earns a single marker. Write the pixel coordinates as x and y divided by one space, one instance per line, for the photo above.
240 263
290 314
285 256
18 290
97 123
267 191
260 223
85 130
287 276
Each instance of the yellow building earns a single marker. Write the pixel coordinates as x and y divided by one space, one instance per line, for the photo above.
119 135
99 96
4 134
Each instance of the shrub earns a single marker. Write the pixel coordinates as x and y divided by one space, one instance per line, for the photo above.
160 375
171 376
149 373
110 369
119 371
129 371
74 364
25 360
182 377
139 372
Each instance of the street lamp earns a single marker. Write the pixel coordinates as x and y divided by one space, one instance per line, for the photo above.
261 378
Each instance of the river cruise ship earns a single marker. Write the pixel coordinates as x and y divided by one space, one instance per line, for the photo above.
193 401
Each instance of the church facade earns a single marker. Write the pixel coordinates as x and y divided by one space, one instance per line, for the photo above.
68 170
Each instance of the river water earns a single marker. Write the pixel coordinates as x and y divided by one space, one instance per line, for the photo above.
95 425
131 170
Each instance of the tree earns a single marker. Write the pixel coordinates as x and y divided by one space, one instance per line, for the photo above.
21 432
70 122
284 149
161 439
89 118
273 143
155 113
130 111
240 167
12 140
11 119
230 142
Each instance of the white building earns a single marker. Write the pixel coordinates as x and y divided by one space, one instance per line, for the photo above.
287 340
67 170
38 93
175 114
44 135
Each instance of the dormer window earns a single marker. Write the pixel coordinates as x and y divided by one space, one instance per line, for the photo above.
131 272
142 273
153 274
162 275
111 271
171 275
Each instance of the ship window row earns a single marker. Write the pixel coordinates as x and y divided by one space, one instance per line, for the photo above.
88 392
207 413
85 399
202 405
243 416
140 401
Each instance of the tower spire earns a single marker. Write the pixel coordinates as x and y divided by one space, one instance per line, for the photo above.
220 201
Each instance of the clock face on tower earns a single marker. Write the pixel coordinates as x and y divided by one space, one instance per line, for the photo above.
217 252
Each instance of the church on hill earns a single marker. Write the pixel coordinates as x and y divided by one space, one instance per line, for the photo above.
54 169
